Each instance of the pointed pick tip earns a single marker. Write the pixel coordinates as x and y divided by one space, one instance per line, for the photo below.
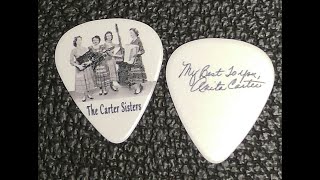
215 160
215 156
116 141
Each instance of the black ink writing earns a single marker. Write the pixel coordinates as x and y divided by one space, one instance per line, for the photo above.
231 72
199 78
201 85
187 72
247 84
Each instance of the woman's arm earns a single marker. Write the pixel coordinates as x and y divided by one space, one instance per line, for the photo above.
72 61
141 49
116 55
72 56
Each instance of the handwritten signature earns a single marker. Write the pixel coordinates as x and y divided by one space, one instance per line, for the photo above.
199 78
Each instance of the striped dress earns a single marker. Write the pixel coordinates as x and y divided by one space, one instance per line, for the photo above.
84 80
111 62
102 74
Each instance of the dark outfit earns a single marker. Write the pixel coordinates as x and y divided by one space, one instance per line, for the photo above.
137 72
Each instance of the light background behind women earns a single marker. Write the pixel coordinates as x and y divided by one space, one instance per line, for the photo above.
100 29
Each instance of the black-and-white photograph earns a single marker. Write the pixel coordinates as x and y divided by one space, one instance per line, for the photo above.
108 69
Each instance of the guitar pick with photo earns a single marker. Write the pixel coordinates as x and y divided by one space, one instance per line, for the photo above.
110 83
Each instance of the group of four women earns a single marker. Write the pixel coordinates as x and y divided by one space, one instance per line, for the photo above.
105 73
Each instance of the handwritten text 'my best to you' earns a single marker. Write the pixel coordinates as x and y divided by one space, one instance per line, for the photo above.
110 109
233 78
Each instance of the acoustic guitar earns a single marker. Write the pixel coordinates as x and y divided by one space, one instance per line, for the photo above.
95 57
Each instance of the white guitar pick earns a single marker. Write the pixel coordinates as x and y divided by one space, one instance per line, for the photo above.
110 68
219 88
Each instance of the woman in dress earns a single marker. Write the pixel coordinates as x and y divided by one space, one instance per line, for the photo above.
101 69
84 80
137 73
109 48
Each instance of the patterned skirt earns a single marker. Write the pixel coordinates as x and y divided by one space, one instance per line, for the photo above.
102 75
123 72
113 69
137 72
84 80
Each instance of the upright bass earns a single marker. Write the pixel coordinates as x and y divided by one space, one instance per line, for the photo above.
120 53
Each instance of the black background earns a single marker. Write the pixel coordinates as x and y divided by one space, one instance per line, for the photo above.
159 148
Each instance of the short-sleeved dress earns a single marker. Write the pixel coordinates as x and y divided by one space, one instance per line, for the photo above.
84 80
137 72
102 74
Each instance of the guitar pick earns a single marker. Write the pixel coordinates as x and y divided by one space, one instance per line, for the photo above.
219 88
110 68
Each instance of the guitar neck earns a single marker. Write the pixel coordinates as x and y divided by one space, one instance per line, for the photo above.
120 44
119 38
